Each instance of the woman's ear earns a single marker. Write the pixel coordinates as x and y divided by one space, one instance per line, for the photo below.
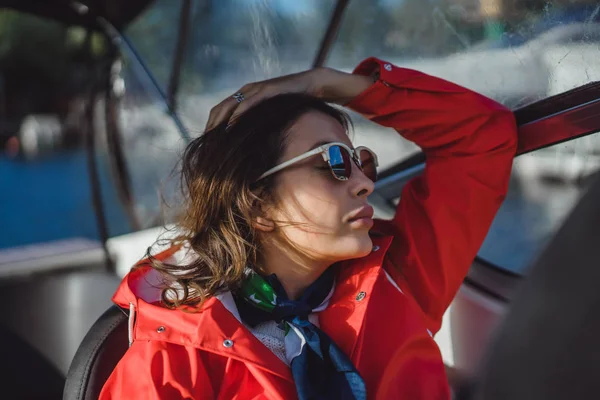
261 220
263 224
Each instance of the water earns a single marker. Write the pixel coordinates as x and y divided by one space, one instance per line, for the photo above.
50 198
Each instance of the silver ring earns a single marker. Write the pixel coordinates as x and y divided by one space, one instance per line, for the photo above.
239 97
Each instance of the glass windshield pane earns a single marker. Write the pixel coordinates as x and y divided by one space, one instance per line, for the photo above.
234 42
151 142
514 51
154 36
545 186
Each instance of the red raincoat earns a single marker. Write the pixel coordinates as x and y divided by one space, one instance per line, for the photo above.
387 305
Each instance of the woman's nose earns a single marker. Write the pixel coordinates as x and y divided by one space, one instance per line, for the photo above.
360 184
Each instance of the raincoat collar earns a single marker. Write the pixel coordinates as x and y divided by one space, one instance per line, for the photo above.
217 324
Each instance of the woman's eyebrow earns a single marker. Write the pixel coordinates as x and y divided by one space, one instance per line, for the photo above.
320 143
323 142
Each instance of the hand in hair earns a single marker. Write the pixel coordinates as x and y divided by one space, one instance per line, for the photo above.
325 83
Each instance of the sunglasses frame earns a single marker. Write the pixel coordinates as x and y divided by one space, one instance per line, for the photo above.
324 151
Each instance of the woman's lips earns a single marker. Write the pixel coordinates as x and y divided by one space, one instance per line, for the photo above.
361 223
362 217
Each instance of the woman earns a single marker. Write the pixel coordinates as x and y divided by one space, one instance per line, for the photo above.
282 285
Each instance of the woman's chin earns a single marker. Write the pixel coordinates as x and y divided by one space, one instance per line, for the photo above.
358 246
366 249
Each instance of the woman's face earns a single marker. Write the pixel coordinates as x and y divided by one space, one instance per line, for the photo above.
314 211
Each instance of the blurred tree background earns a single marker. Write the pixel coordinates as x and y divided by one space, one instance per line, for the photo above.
42 67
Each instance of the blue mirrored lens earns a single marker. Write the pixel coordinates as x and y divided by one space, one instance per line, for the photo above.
339 162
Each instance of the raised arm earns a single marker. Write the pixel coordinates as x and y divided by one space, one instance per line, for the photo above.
444 214
469 141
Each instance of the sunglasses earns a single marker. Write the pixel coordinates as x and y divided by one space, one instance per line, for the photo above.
339 157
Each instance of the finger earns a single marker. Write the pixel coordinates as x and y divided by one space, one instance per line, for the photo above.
211 118
223 111
216 113
245 105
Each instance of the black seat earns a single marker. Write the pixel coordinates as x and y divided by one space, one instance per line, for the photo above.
97 356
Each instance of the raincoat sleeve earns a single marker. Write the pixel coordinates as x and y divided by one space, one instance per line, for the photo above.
444 215
153 370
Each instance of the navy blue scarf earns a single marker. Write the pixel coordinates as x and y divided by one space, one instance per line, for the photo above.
321 370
